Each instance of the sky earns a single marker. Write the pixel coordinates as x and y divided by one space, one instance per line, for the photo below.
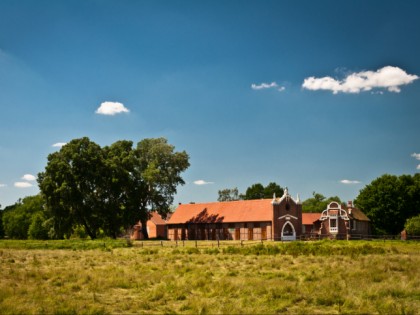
317 96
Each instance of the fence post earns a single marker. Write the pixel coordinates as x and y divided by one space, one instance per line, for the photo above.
196 244
176 243
242 243
218 243
161 243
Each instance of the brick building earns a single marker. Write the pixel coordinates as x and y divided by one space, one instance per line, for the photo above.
275 219
156 228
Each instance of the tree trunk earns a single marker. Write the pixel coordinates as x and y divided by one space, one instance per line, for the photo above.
144 229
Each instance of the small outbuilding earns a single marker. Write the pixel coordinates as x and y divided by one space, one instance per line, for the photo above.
156 228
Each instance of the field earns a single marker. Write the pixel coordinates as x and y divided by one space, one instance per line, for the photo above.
117 277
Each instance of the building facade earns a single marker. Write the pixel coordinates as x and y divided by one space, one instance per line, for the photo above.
273 219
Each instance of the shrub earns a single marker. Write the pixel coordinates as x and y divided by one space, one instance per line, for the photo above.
412 225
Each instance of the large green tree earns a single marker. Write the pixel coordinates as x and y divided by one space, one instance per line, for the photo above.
157 173
110 188
389 201
72 184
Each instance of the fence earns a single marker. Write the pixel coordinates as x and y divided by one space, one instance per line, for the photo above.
242 243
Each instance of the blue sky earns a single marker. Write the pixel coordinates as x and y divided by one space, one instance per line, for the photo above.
314 95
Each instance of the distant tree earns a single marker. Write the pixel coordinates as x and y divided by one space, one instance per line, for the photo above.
255 191
18 217
258 191
1 224
228 194
412 225
38 229
271 189
318 203
389 201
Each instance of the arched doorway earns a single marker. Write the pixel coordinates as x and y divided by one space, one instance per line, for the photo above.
288 232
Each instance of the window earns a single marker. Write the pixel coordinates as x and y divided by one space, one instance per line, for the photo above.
225 234
287 206
264 233
333 225
250 234
237 234
353 225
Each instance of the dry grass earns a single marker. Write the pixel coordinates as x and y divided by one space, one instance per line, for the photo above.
187 280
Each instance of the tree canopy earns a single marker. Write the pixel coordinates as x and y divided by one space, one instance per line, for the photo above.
258 191
110 188
20 220
318 203
389 201
228 194
255 191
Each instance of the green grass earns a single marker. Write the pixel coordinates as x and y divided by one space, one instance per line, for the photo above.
108 277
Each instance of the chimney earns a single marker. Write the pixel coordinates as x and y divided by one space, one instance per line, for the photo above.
349 205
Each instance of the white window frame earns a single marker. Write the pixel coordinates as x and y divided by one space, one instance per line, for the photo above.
334 229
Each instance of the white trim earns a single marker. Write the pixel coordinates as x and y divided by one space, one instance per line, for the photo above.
286 216
288 237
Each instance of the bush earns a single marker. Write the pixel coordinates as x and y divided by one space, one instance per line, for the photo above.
412 225
38 230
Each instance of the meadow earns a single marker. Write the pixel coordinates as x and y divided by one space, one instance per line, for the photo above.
120 277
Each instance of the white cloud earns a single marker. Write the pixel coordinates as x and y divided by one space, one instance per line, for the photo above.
111 108
59 144
390 78
271 85
23 185
202 182
2 185
418 167
416 156
29 177
349 182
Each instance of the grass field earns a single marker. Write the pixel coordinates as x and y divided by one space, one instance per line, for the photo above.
114 277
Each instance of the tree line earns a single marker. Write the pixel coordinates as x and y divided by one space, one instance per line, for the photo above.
99 190
92 191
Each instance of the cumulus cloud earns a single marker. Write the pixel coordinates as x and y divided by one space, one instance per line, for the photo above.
111 109
59 144
349 182
201 182
23 185
2 185
272 85
29 177
416 156
389 77
418 167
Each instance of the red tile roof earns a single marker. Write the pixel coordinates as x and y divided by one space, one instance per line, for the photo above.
310 218
260 210
157 219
